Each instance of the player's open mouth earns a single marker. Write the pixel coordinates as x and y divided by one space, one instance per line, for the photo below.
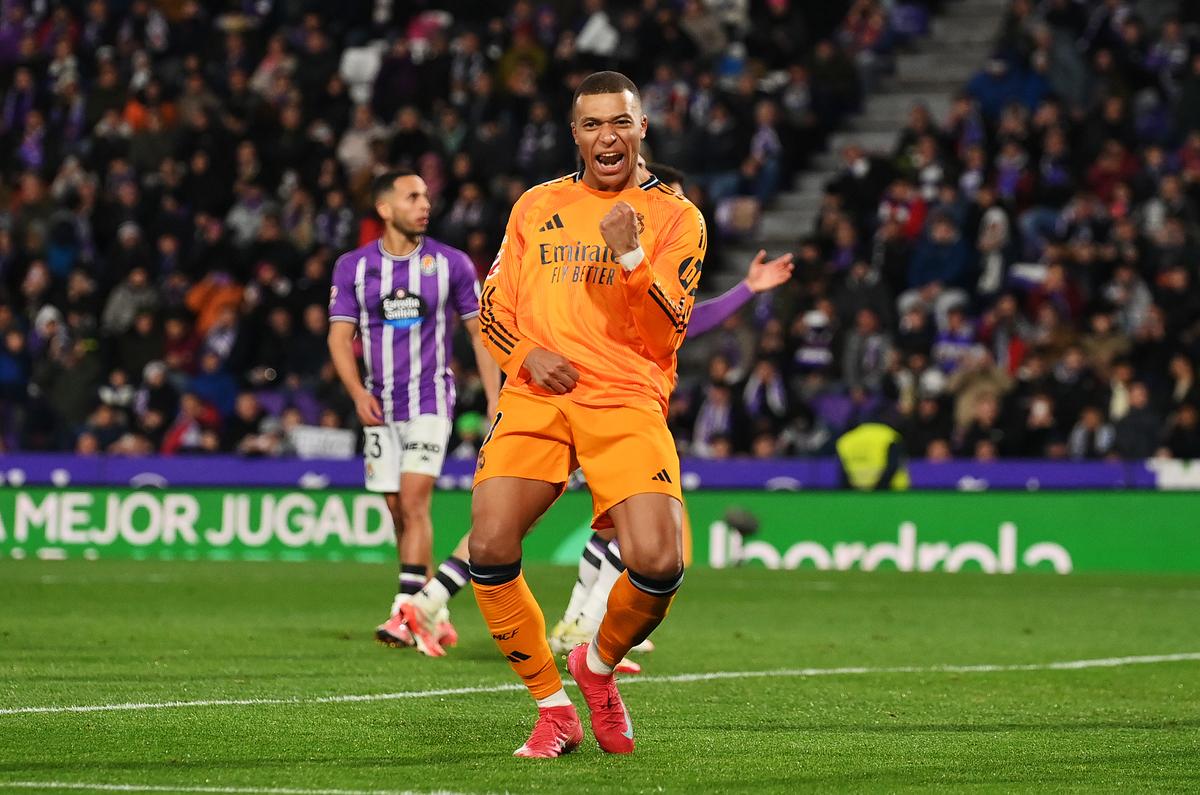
610 163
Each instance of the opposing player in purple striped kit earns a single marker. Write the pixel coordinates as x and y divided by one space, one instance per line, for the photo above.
400 295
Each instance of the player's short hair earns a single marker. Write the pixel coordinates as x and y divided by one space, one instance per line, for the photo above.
387 180
666 174
605 83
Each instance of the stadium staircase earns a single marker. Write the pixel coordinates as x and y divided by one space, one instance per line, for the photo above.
937 68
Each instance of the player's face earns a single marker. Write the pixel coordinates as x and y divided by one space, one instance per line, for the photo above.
608 129
406 206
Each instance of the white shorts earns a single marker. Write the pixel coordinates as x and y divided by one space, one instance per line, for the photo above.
417 445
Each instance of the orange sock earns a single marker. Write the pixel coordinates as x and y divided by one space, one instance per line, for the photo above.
634 610
519 629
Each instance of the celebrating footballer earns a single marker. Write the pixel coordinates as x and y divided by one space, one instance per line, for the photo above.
584 308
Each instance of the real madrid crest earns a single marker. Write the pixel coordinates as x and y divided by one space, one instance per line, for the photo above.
641 221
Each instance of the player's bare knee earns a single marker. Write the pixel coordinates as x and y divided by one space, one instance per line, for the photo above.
487 543
653 555
487 549
658 564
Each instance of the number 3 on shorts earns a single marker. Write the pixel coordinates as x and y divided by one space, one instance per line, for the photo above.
381 459
373 447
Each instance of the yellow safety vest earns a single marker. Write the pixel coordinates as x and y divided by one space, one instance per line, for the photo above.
864 452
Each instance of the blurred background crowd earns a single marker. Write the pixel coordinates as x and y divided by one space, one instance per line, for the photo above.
1014 280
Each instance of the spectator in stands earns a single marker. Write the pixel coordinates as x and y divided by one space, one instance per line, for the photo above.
15 367
194 429
1183 434
925 425
240 429
719 425
214 385
765 394
982 436
939 269
866 352
1092 437
1138 430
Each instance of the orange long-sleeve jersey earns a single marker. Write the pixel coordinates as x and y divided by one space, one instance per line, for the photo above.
556 285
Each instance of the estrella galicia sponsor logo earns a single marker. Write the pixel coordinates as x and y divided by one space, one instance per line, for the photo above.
403 309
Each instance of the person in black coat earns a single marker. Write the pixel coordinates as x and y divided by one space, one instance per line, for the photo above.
1139 431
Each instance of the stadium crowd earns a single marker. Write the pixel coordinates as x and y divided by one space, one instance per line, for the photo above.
1014 280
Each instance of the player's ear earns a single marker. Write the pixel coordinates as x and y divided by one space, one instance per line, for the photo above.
574 134
385 211
645 125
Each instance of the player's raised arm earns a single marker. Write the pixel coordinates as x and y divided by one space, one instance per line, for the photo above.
659 286
763 276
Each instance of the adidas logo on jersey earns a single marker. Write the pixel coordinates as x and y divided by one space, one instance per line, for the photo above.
553 223
663 477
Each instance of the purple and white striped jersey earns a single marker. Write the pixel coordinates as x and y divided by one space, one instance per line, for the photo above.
404 308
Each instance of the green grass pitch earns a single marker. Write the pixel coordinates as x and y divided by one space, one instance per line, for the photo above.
103 633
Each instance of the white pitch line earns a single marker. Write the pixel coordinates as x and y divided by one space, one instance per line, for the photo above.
256 702
75 785
778 673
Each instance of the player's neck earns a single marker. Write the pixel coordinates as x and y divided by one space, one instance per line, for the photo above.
593 182
399 245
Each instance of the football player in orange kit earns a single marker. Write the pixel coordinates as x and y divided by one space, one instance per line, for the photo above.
599 562
584 308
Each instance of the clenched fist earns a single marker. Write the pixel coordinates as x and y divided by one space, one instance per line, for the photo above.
551 371
620 229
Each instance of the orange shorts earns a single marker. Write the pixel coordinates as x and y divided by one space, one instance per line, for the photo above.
623 450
